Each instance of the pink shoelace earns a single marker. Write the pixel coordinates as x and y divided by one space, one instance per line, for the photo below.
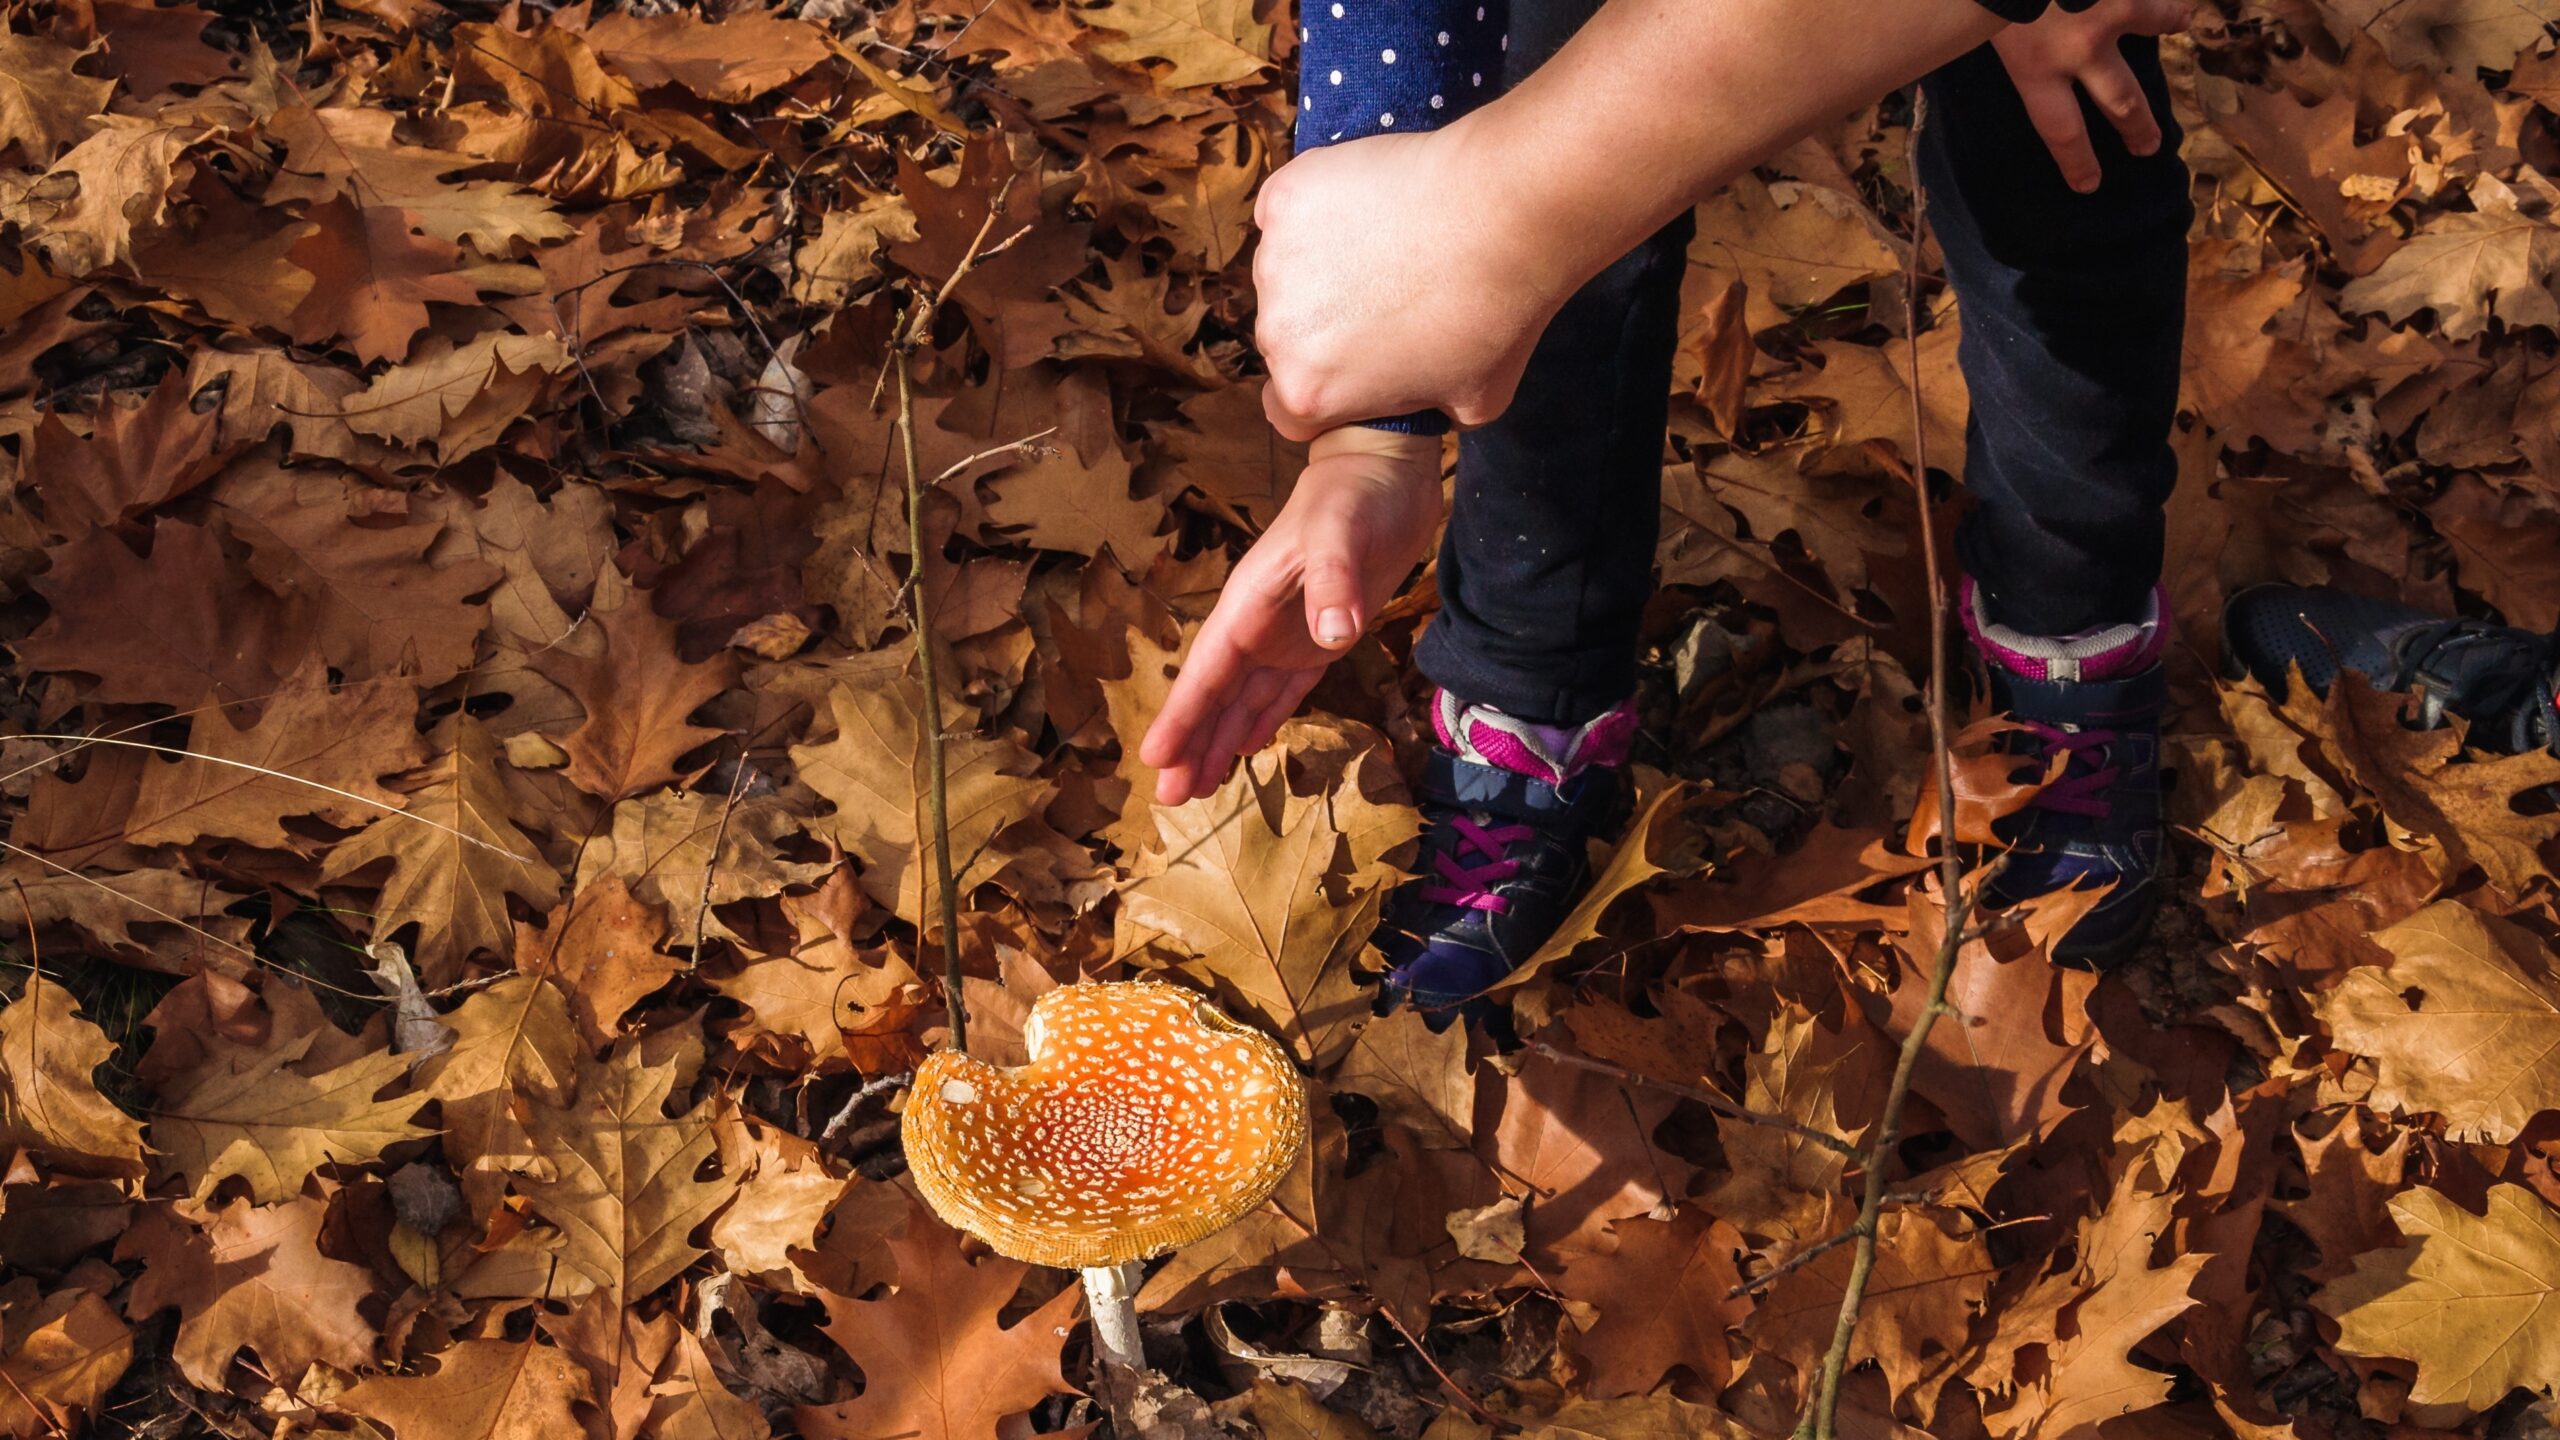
1470 885
2081 794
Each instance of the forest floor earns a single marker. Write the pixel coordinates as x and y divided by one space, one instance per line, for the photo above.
479 416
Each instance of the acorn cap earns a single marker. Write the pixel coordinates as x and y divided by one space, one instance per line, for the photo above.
1144 1121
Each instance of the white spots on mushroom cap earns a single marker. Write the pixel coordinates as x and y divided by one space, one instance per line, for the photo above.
1145 1119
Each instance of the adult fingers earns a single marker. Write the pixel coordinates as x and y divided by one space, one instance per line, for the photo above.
1289 410
2118 96
2054 110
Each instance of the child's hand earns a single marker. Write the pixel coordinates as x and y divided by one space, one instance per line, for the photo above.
1358 521
2048 59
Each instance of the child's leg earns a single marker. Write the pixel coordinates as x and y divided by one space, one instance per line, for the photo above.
1548 559
2073 308
1545 569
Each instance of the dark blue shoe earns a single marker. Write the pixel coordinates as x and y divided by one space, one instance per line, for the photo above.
1508 810
2094 702
2497 677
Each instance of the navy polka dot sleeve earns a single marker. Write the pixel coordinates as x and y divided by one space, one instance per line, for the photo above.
1371 67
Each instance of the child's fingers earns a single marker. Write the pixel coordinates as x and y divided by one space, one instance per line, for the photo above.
1330 579
1292 694
2119 97
2054 110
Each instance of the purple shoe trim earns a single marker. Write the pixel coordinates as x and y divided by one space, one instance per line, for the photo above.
1552 753
2106 653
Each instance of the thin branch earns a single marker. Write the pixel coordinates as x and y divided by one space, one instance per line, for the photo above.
1699 1093
937 793
1820 1420
1474 1408
711 866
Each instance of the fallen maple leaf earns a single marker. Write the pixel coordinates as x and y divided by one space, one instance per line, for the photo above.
2473 1299
2478 1044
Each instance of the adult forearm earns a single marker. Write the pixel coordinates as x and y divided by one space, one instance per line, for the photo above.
1656 103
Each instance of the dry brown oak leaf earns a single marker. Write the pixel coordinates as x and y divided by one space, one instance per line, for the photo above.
515 1048
2481 1043
59 1356
453 874
2425 782
874 772
626 1195
241 779
815 999
133 458
353 152
604 949
251 1114
375 276
1270 893
1665 1300
44 107
636 693
252 1276
2473 1299
936 1362
479 1390
49 1104
176 627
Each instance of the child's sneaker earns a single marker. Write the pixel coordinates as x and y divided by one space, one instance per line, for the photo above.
2497 677
2094 700
1507 807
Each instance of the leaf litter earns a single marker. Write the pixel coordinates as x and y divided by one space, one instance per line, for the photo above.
451 516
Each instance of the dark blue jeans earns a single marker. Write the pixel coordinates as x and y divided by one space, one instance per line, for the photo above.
2073 306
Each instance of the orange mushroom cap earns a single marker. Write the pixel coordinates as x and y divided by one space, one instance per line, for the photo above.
1144 1121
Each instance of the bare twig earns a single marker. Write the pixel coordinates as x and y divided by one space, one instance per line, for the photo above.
1699 1093
1474 1407
912 332
937 785
711 865
1820 1420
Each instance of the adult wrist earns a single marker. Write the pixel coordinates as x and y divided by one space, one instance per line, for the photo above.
1516 221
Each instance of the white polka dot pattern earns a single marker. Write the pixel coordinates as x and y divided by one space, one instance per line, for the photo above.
1378 65
1145 1120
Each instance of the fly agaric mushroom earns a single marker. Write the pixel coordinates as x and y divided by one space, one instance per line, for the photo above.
1144 1121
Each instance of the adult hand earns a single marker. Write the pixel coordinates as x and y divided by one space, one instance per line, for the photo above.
2064 53
1362 513
1392 278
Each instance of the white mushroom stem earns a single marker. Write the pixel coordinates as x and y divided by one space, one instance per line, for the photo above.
1111 1293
